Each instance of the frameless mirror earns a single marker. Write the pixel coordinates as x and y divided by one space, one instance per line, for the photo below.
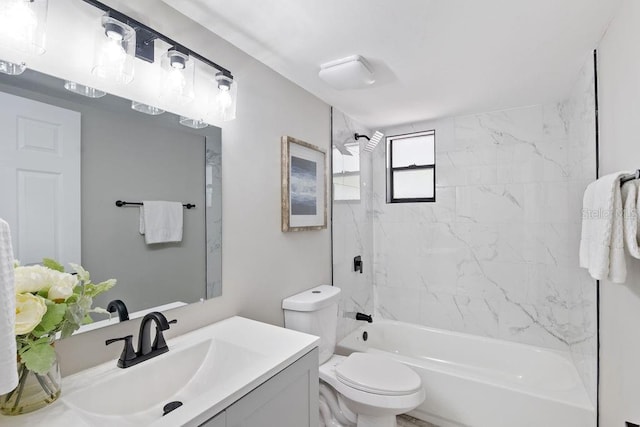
66 159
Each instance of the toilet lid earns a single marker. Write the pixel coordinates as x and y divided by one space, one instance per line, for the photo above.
378 375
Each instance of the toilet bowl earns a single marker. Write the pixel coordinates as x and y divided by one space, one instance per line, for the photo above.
372 387
362 389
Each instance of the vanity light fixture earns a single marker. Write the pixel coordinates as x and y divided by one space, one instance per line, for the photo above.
83 90
115 46
225 97
193 123
177 64
147 109
12 68
23 25
178 75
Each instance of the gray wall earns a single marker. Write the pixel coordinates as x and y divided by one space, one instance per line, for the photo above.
126 158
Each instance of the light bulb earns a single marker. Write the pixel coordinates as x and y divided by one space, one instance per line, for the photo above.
177 62
114 51
19 23
175 81
224 99
114 32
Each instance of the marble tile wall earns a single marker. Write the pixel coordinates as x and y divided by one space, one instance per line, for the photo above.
213 191
353 234
497 253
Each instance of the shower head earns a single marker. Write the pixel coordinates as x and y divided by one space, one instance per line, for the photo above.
373 141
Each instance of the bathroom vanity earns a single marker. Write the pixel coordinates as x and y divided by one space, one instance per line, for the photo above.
237 372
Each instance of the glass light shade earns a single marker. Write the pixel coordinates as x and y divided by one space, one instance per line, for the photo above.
224 97
83 90
23 25
147 109
192 123
176 82
11 68
114 51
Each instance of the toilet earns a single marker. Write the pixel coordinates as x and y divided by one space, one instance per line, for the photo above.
362 389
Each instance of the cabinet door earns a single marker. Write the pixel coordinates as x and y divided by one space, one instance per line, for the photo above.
219 420
289 399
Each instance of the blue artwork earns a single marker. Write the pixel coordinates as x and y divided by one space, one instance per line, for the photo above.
303 187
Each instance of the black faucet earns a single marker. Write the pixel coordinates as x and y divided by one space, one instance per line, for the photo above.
365 317
118 306
146 349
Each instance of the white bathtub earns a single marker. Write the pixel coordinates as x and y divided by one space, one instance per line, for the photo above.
481 382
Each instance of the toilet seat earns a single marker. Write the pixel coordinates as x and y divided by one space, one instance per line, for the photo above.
396 402
378 375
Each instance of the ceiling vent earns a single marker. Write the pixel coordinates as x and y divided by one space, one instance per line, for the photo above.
353 72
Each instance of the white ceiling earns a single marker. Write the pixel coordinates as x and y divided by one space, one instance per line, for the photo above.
432 58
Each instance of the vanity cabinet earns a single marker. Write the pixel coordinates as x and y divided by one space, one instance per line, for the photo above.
288 399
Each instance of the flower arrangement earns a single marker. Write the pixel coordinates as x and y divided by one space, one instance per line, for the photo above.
50 303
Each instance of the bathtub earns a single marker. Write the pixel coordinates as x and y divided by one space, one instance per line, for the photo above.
481 382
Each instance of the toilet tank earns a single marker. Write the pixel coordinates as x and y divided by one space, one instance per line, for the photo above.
315 312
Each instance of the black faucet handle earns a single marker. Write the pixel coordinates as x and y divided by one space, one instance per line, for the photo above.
160 342
128 353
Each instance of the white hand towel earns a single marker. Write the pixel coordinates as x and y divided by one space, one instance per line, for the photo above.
602 242
161 222
631 203
8 370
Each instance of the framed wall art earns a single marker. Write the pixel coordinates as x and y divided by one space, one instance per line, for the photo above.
304 186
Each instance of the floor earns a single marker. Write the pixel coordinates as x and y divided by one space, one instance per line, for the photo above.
407 421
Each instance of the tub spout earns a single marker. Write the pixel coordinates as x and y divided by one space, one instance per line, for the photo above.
364 317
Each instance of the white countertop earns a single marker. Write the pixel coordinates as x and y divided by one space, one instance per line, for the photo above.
280 348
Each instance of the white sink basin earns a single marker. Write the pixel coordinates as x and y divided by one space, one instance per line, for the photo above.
207 370
139 393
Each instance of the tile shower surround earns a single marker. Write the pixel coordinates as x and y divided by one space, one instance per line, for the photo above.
497 253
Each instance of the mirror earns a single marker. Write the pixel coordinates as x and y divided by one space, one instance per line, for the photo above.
123 155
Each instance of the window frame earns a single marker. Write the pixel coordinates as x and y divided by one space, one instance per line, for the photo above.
391 169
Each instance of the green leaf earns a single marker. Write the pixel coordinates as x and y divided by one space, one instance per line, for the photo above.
92 290
39 357
53 264
51 319
68 329
83 274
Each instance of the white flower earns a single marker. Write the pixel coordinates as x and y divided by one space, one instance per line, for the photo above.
29 311
33 278
62 285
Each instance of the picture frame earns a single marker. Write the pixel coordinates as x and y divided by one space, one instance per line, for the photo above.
304 186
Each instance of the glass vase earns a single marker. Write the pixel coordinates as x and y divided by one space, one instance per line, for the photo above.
34 391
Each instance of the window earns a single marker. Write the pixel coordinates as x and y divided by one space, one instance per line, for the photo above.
411 168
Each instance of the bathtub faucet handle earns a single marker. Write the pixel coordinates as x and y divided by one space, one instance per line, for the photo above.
364 317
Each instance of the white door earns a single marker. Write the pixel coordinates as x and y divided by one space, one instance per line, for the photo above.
40 179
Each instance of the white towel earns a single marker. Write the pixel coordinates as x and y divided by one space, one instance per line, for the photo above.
602 242
161 222
8 367
631 201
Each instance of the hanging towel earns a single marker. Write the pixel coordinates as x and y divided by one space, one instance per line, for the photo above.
602 242
8 371
161 222
630 203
